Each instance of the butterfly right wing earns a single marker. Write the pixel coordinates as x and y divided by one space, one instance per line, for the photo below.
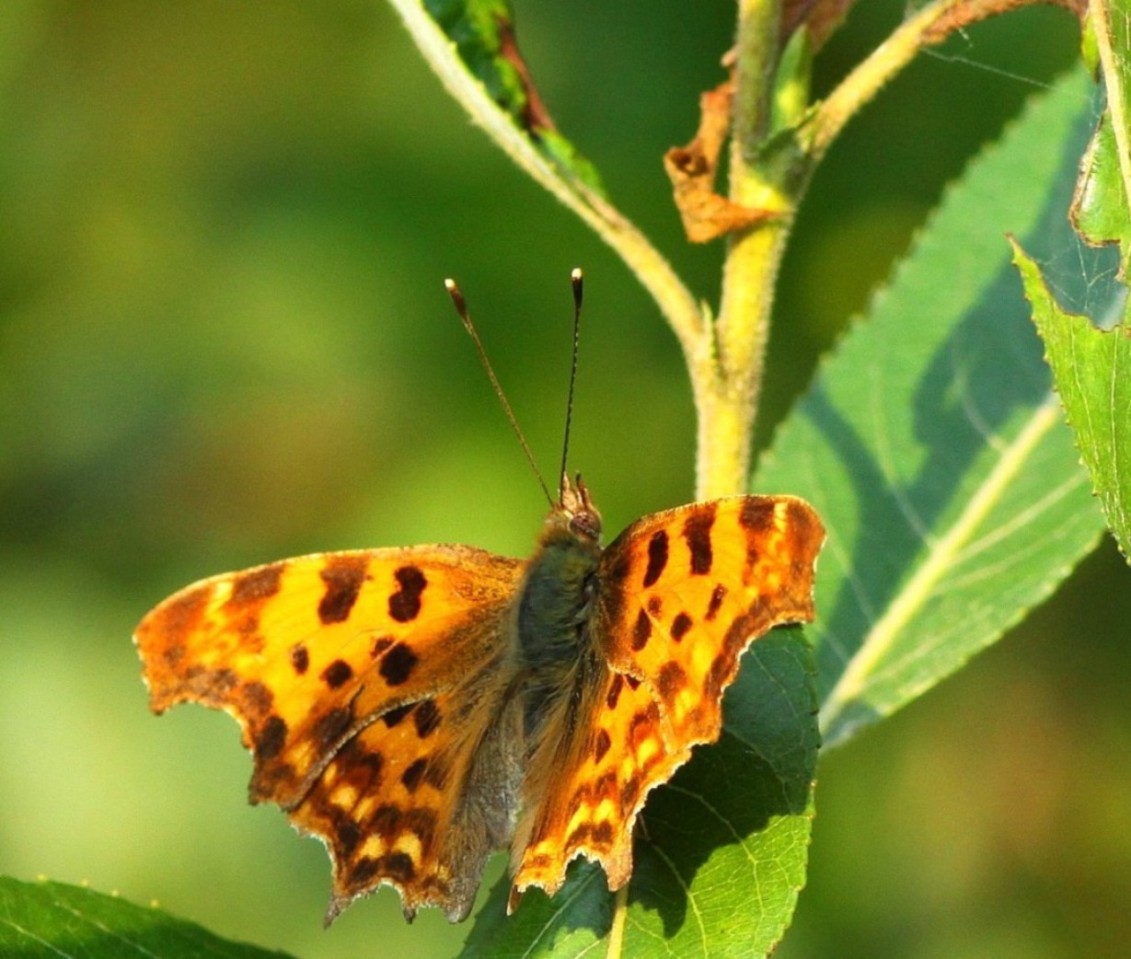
365 683
681 594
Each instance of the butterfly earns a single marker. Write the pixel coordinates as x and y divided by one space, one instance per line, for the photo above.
417 708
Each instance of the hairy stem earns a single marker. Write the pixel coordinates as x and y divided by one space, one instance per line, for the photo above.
928 26
729 376
653 271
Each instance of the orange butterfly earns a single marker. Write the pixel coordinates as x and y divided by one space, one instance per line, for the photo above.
418 708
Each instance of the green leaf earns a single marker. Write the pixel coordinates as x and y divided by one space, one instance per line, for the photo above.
482 67
477 28
52 919
930 442
469 44
1100 207
1092 370
721 854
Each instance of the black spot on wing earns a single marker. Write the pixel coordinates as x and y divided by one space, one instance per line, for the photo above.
603 835
614 691
330 727
641 631
271 738
657 557
426 717
413 774
300 659
397 664
404 604
757 514
398 866
337 673
346 834
362 872
394 716
680 625
601 744
343 576
715 602
255 585
254 697
697 535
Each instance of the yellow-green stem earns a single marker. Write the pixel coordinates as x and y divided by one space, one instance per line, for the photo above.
872 73
727 389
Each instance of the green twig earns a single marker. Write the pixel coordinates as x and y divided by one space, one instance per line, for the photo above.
654 272
728 388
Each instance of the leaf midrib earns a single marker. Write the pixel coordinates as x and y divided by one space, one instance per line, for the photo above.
886 630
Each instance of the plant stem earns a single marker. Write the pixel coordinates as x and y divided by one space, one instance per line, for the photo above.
927 26
728 378
725 357
678 305
727 368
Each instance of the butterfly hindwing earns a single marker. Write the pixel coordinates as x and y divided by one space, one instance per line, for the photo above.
597 786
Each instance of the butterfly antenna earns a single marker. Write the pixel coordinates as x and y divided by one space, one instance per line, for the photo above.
461 309
577 281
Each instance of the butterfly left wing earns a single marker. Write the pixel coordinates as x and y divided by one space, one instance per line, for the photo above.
363 682
680 596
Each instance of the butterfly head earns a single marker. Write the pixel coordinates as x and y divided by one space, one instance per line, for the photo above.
576 509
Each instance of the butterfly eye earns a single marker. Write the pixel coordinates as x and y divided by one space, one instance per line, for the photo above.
587 524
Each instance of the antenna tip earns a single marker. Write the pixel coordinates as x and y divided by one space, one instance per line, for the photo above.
577 280
457 298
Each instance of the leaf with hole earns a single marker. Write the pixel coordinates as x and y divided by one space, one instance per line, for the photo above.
1092 370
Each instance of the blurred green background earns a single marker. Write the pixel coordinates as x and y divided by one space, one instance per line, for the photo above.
223 340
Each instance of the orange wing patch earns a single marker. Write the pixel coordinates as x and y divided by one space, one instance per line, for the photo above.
590 805
685 592
346 673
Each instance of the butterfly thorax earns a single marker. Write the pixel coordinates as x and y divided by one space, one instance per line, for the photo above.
556 594
555 599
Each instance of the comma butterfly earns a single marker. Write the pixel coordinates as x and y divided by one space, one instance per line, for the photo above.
418 708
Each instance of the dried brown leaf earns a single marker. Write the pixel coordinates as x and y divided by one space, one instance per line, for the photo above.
961 15
706 214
